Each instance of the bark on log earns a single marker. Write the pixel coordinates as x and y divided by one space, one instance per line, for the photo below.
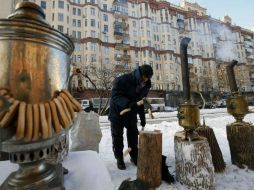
149 158
241 144
194 166
218 161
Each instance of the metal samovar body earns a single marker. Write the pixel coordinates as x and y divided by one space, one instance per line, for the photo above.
35 59
188 115
35 63
188 112
237 105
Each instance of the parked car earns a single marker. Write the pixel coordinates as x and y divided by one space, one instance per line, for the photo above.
170 109
158 104
84 104
208 105
221 103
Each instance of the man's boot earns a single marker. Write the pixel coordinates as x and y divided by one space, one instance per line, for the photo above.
134 160
120 164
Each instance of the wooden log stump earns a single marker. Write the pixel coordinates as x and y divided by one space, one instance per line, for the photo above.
149 158
217 158
194 166
241 144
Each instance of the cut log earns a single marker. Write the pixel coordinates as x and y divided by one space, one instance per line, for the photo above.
149 158
194 167
218 161
241 144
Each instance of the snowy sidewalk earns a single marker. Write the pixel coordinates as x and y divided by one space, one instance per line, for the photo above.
232 179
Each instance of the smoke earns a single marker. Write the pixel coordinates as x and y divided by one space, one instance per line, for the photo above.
225 42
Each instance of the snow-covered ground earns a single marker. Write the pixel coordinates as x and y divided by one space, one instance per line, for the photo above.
232 179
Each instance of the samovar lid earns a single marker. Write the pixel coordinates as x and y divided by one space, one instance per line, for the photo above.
28 23
28 10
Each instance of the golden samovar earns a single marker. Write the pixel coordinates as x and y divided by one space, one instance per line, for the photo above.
34 73
237 104
188 112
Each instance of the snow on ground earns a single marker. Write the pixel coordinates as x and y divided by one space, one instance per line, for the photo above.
232 179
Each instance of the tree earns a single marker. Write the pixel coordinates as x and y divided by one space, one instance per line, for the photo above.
101 80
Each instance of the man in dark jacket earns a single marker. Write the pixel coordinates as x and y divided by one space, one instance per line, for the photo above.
127 90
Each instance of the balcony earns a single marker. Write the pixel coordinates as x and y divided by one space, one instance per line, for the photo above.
126 58
120 35
122 57
121 68
122 46
121 25
120 14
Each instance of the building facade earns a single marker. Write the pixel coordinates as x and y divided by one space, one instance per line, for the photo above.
123 34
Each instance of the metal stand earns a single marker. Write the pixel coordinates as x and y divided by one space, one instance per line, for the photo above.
33 173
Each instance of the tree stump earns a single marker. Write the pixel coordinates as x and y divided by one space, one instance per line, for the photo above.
149 158
241 144
217 158
194 166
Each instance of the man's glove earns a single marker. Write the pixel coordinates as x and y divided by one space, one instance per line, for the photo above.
133 105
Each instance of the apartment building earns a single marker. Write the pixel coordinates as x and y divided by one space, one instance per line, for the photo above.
120 35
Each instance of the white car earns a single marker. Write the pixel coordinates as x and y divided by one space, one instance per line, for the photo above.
221 103
84 104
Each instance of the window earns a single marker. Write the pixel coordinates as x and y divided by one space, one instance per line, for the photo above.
77 47
79 23
79 12
78 34
106 50
150 54
79 58
134 33
105 28
147 23
93 34
74 34
53 4
74 22
60 28
106 60
43 4
104 7
93 46
105 17
61 4
60 17
93 22
92 10
134 23
148 33
105 38
86 22
93 58
53 16
136 53
74 11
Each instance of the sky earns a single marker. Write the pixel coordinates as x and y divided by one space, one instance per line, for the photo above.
241 11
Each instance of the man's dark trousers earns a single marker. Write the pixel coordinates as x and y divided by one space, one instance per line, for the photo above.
117 130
